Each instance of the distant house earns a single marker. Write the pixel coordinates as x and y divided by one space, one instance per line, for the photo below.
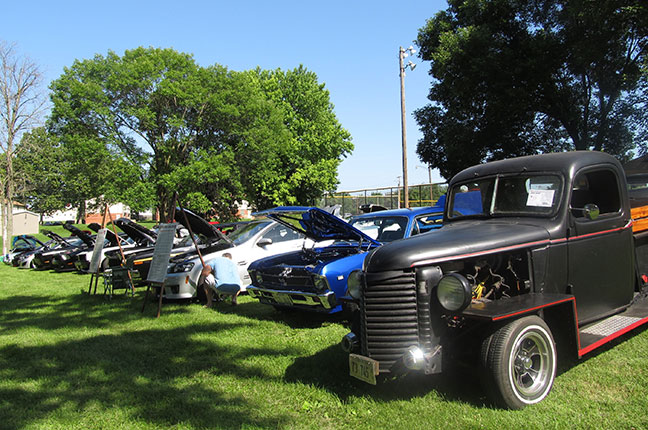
69 214
23 221
117 210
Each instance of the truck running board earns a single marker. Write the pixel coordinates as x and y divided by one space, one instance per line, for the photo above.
601 332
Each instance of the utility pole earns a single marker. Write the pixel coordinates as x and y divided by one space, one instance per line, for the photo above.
402 54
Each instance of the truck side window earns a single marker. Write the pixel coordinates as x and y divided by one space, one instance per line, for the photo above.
599 187
427 223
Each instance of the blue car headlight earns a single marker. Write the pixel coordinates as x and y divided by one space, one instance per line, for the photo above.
320 283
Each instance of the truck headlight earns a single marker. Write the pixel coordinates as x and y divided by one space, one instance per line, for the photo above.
354 284
454 292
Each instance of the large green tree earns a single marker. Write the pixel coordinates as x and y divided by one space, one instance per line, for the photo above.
40 166
148 95
54 173
517 77
317 141
212 135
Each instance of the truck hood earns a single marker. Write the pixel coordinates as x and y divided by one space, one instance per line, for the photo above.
456 241
317 224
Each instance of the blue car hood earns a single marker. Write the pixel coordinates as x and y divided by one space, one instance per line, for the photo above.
317 224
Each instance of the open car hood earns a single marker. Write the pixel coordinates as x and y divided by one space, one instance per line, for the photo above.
110 235
27 239
55 237
85 237
198 225
137 232
317 224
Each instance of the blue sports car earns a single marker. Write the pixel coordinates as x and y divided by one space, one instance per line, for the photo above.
316 277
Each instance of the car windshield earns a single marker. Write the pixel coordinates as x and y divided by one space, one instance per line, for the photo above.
248 231
186 241
506 195
381 228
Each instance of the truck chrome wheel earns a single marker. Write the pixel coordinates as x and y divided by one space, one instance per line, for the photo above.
519 361
531 363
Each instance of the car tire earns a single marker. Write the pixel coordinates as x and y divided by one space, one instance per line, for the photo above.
519 363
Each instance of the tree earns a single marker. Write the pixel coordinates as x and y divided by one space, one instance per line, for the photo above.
40 166
215 136
317 143
147 95
518 77
21 105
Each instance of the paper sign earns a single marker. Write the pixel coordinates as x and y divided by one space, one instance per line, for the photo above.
540 198
97 252
161 254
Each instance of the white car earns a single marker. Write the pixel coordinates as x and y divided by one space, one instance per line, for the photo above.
257 239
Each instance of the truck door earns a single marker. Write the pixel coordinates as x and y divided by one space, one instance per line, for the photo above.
601 257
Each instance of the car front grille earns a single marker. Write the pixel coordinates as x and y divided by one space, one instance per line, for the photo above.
279 279
390 320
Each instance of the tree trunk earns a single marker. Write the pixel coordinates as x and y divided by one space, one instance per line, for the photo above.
3 223
81 213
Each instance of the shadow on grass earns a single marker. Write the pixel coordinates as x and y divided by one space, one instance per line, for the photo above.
77 310
297 319
329 369
162 377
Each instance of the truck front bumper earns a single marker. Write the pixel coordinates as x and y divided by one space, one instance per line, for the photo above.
415 358
324 300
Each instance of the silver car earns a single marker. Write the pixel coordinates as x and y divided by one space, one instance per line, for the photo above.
257 239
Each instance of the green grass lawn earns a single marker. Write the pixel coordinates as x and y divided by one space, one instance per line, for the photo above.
73 361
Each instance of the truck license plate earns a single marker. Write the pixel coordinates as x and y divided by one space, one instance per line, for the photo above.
363 368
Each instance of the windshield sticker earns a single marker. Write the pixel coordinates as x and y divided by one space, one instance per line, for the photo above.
540 198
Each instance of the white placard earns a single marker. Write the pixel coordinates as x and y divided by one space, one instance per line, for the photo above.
540 198
158 270
97 252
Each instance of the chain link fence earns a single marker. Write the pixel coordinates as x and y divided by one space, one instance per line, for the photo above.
387 197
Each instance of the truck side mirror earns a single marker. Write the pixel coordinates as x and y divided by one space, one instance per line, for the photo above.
591 211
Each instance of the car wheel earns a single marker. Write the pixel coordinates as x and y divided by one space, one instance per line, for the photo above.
519 363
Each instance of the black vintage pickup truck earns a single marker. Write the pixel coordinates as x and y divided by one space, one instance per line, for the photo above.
554 264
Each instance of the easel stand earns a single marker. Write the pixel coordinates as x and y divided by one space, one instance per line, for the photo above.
93 277
160 287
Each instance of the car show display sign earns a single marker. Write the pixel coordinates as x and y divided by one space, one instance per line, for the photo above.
97 251
162 253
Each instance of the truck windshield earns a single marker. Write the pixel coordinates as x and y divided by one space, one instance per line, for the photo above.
506 195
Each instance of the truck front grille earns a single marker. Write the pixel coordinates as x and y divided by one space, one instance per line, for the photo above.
389 316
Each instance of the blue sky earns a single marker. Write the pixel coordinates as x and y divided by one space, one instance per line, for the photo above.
352 46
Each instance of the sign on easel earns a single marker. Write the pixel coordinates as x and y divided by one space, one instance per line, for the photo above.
161 254
97 251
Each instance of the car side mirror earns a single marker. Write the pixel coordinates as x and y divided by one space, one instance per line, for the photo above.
591 211
265 241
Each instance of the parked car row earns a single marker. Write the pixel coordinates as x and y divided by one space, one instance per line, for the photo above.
290 257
